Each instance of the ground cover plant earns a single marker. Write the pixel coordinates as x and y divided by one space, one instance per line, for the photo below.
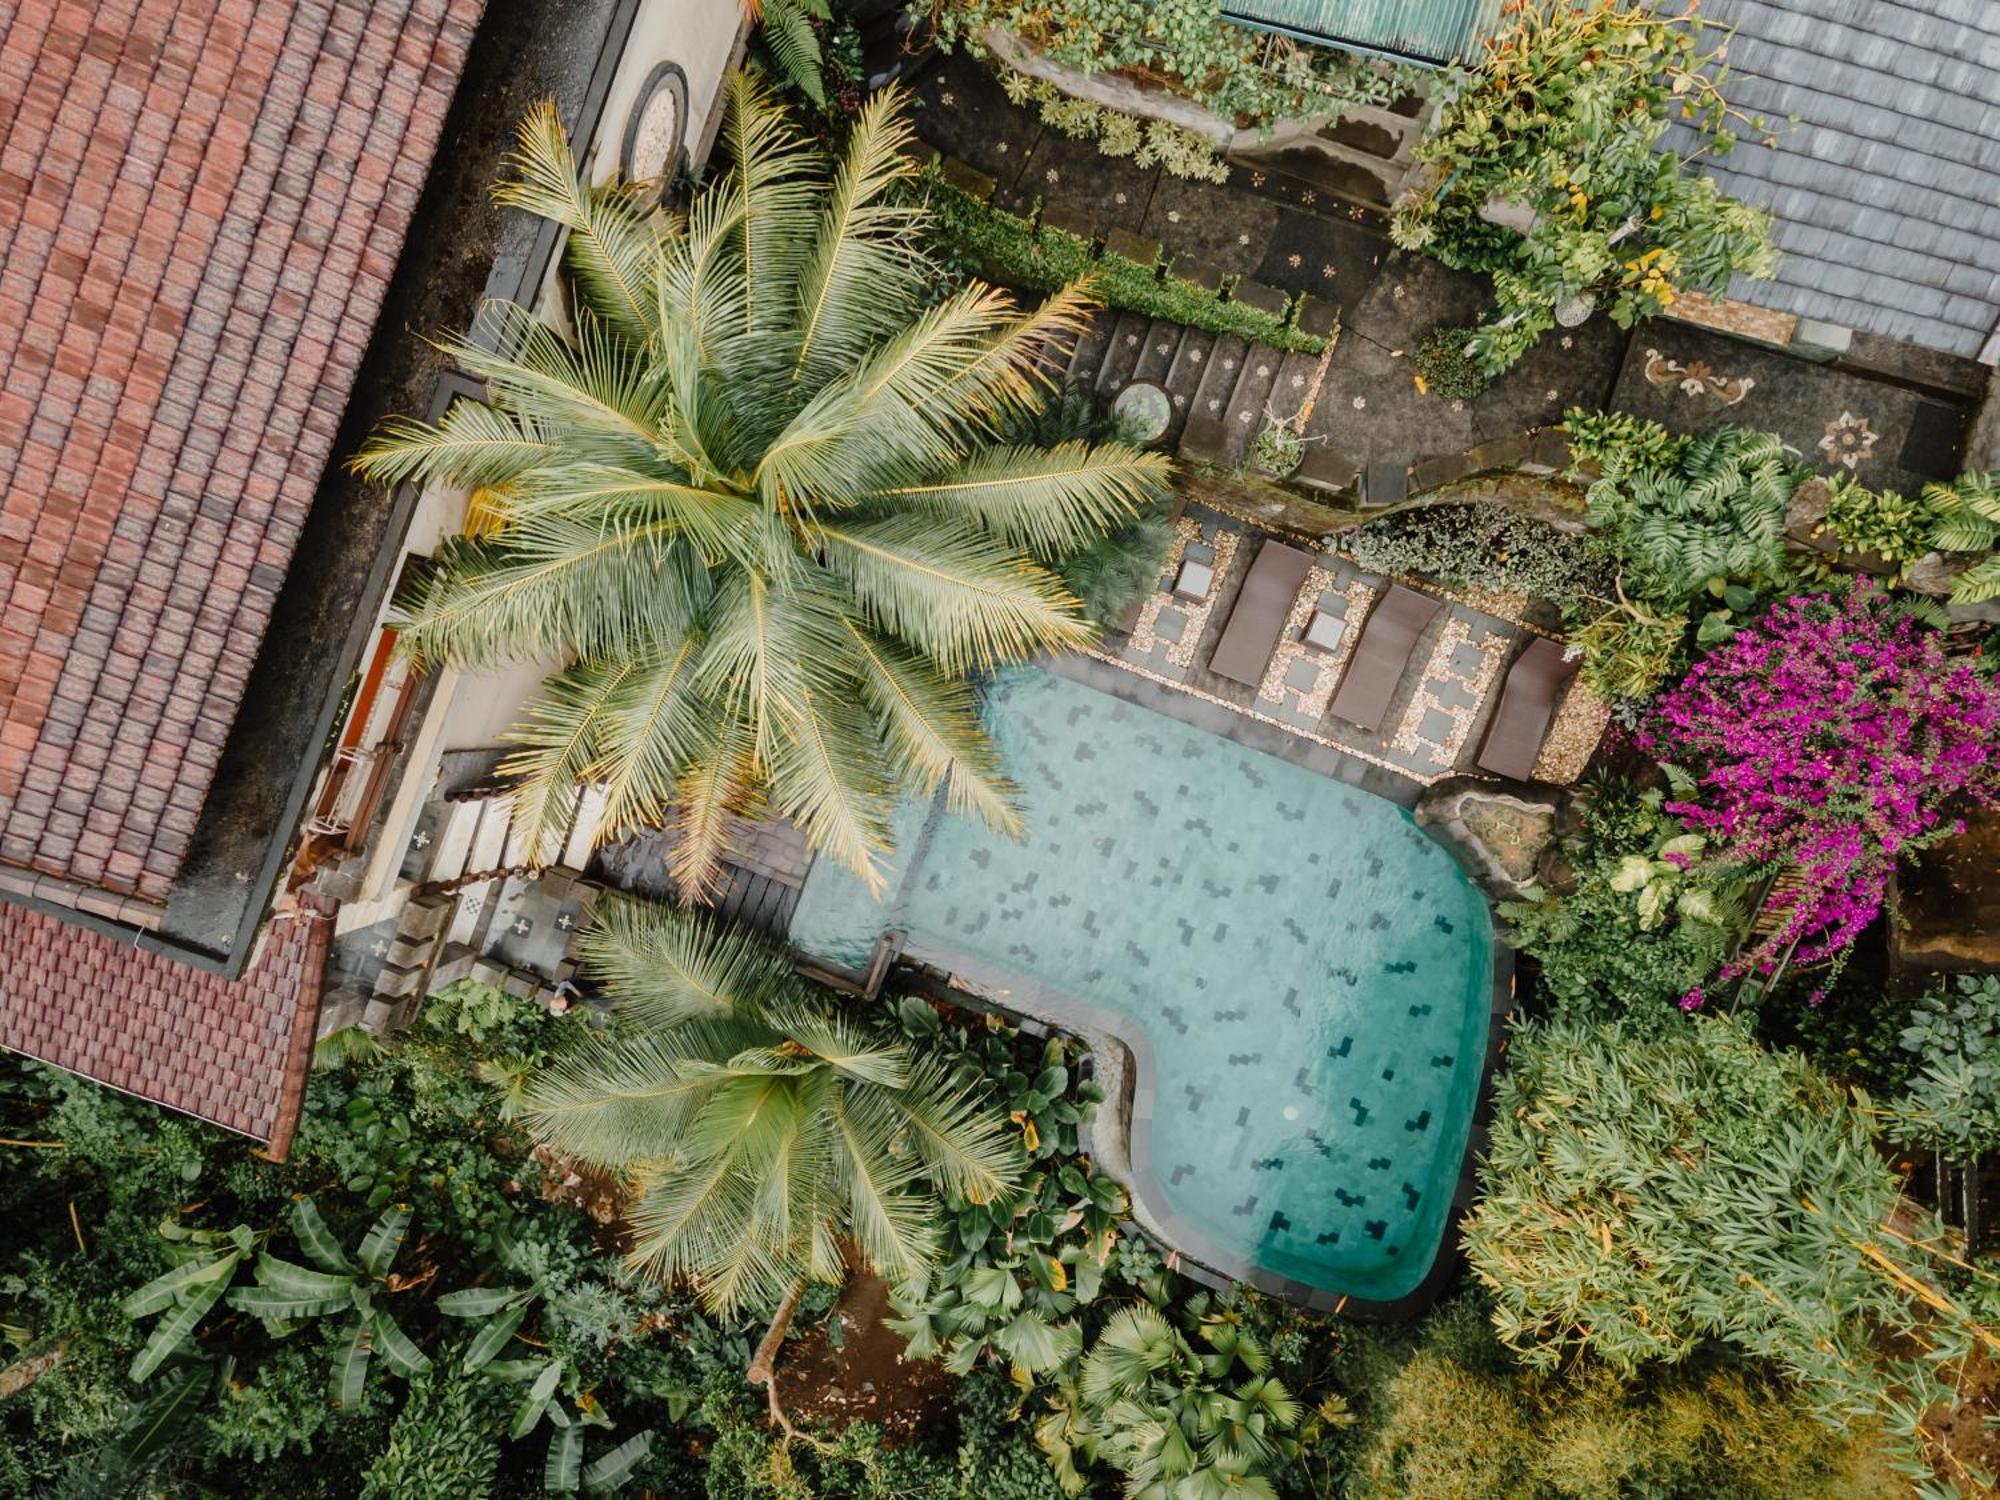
752 497
991 242
1561 116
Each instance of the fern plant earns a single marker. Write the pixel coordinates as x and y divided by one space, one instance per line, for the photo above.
1968 520
1716 514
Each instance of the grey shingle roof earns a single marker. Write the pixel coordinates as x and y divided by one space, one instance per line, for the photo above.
1887 191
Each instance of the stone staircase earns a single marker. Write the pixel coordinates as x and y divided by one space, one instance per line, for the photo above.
1219 384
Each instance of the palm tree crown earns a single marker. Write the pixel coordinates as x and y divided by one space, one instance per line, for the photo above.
754 497
759 1126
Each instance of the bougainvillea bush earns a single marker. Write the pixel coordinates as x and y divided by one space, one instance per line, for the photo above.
1827 740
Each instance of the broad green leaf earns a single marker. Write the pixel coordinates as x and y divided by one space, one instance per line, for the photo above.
562 1472
177 1327
162 1290
478 1301
316 1239
493 1338
350 1364
530 1410
402 1356
379 1247
617 1466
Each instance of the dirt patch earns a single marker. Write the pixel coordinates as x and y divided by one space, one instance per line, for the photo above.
1965 1435
863 1377
592 1191
1514 833
1950 901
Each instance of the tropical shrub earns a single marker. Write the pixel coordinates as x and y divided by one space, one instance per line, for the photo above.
1951 1104
1827 740
752 498
761 1124
1563 116
1649 1193
1249 77
1891 525
1967 515
1618 437
1444 367
1482 545
1459 1419
1170 1419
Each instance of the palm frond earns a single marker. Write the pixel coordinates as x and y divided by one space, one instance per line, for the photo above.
471 444
931 733
560 735
667 966
616 1103
611 247
1048 500
938 587
865 266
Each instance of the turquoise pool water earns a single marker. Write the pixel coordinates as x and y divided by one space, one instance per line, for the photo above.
1309 971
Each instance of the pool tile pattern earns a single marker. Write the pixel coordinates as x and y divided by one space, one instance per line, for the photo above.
1305 975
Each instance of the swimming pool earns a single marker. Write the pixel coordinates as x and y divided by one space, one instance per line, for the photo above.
1304 977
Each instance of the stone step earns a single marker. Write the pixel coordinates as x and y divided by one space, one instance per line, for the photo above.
1089 351
1157 355
1244 417
1220 368
1184 377
1293 385
1122 358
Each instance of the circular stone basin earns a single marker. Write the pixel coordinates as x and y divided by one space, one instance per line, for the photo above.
1143 410
1304 978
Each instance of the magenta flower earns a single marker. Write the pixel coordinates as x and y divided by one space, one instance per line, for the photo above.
1826 740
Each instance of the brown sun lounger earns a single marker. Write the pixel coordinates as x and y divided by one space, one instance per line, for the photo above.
1527 704
1262 606
1381 655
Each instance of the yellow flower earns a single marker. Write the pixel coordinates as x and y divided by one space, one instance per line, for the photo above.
1422 385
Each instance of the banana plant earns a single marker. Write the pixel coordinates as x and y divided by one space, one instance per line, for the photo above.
205 1264
342 1285
504 1308
564 1471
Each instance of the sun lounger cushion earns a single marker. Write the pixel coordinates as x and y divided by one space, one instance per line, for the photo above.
1262 607
1527 705
1381 655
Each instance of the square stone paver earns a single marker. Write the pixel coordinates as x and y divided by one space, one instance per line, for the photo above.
1303 676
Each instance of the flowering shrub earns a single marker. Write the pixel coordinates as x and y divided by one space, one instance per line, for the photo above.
1826 740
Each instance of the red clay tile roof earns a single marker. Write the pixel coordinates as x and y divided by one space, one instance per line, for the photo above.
233 1052
201 204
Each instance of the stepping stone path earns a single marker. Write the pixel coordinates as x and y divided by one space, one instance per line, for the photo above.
1214 381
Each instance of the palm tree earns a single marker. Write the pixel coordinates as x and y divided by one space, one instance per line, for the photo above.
754 497
761 1128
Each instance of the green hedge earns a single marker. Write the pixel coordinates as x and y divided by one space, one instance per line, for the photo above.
1006 248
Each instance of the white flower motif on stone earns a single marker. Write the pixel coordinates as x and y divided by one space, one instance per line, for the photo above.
1118 197
1568 341
1328 270
1163 348
1229 364
1194 356
1256 179
1243 416
947 98
1361 403
1295 261
1052 175
1242 239
1173 216
1458 406
1215 403
1262 371
1297 381
1308 196
1180 400
1396 292
1131 339
1003 147
1552 395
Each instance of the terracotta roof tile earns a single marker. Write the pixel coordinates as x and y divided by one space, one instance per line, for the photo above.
233 1052
201 204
